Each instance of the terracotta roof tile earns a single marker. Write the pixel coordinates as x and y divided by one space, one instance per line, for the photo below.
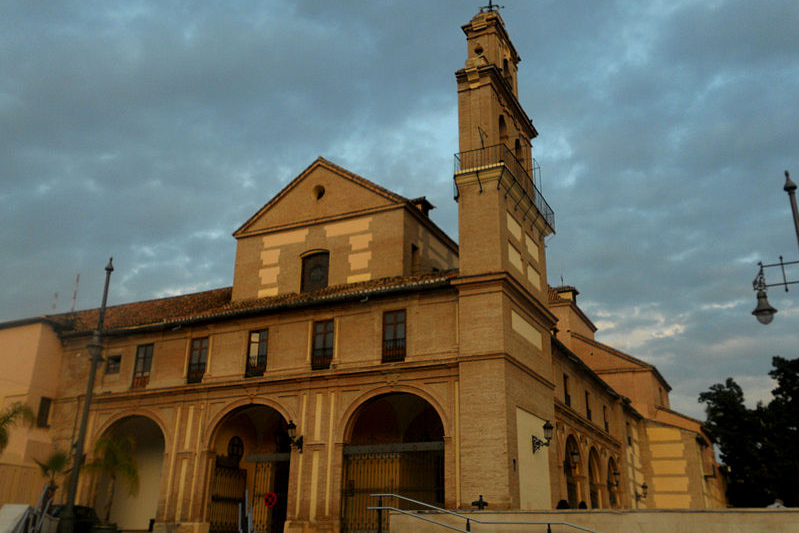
217 304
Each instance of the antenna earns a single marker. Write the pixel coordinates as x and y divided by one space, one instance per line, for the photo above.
75 294
55 300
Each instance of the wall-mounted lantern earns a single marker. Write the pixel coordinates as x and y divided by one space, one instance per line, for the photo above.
538 443
642 495
296 441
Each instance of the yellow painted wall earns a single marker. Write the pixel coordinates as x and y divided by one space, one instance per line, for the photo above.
534 492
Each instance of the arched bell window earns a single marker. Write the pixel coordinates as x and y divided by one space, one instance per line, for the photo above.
503 129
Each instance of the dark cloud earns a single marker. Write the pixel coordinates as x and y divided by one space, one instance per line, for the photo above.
151 131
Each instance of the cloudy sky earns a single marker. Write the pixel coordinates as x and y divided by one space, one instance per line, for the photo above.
151 130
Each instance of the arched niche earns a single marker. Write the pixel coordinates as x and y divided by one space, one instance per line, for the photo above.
144 440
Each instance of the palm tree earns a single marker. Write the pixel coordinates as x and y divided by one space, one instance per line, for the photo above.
56 463
16 412
114 457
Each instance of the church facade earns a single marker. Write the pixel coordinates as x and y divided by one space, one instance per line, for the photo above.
361 350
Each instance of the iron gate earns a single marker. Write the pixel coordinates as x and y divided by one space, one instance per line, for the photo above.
413 469
227 492
271 476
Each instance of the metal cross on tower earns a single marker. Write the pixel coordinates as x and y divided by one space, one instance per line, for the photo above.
491 7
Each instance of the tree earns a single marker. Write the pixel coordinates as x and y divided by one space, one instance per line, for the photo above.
758 446
55 464
9 417
114 457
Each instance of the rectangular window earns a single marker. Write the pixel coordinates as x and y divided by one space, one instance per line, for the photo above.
567 399
43 416
629 435
322 353
112 364
141 369
393 336
587 405
256 356
605 418
197 359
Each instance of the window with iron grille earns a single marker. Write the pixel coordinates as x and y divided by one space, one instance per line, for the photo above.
112 364
605 418
256 356
43 416
197 360
394 336
567 399
141 368
314 271
322 353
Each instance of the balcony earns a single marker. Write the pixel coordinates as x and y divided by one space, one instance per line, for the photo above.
321 358
393 350
196 372
522 174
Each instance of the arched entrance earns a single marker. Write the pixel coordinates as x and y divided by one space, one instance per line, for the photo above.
395 445
252 457
571 466
143 439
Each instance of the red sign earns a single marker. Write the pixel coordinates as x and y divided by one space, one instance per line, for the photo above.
270 499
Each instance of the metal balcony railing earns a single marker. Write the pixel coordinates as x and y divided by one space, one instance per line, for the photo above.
524 175
393 350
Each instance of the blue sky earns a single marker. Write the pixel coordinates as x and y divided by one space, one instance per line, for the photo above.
151 130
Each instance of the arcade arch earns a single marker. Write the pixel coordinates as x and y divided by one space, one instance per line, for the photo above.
571 470
613 484
251 452
594 479
133 511
394 444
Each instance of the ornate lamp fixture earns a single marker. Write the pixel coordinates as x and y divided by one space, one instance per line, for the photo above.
574 455
642 495
764 312
538 443
296 441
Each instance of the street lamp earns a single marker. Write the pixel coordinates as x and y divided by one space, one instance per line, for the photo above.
95 349
764 312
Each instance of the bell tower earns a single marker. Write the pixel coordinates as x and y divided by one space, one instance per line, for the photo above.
503 218
489 110
504 340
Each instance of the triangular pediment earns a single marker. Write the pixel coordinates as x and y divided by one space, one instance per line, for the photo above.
323 191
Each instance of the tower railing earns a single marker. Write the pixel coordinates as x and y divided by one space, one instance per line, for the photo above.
523 176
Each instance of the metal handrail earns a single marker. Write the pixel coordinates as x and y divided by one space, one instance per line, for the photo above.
380 507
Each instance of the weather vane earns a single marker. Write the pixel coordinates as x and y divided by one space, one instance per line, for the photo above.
491 7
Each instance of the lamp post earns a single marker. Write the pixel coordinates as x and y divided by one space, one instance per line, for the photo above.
95 349
764 312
